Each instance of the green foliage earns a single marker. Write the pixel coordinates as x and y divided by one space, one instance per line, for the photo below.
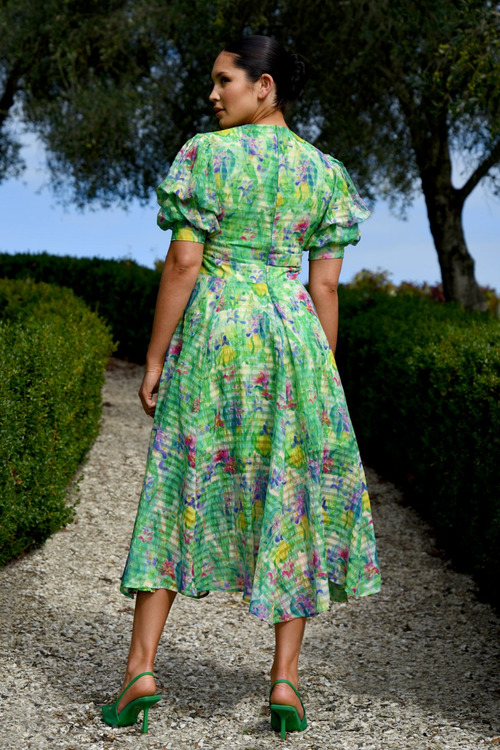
379 281
422 382
121 291
53 353
114 89
372 281
55 52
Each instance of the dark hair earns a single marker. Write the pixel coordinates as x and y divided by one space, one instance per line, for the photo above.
259 54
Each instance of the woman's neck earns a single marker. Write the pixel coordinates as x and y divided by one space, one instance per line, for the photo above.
273 118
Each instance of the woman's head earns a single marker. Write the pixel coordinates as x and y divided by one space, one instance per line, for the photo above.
254 77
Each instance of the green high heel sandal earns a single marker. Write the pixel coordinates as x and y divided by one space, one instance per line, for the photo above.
285 717
129 713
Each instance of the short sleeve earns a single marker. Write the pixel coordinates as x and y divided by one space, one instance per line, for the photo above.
344 211
187 197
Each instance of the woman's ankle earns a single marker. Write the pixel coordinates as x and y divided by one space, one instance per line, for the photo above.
135 668
285 673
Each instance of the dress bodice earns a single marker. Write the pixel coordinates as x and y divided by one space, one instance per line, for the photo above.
258 196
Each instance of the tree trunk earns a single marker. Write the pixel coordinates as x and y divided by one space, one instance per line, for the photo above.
457 266
444 209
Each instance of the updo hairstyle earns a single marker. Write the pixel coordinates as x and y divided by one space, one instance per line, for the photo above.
259 54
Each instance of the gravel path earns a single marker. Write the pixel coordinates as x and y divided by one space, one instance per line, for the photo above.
414 666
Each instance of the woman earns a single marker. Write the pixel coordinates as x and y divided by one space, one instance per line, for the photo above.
254 481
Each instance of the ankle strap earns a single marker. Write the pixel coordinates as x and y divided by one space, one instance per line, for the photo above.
293 688
132 682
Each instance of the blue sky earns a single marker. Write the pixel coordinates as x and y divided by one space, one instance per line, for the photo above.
32 221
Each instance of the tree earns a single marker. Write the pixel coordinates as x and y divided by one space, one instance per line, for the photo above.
396 87
75 70
405 84
113 88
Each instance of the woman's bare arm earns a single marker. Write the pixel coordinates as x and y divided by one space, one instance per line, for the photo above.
181 269
323 283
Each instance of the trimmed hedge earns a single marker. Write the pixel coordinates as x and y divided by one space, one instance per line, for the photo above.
422 383
53 353
121 291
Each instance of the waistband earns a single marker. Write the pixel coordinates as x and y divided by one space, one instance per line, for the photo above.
255 272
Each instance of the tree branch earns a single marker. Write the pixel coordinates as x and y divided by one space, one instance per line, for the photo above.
10 90
480 172
400 90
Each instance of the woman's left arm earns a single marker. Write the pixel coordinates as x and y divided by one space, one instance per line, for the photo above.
181 269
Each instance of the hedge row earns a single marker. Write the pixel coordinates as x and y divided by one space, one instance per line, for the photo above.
422 383
53 353
121 291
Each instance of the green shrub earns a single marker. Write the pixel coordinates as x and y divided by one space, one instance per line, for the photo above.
422 382
379 281
121 291
53 353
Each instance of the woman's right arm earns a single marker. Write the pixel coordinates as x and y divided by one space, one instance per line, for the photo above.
323 283
182 265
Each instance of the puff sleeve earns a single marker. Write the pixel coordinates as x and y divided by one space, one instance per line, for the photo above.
344 211
187 197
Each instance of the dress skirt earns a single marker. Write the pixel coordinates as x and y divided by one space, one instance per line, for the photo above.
253 479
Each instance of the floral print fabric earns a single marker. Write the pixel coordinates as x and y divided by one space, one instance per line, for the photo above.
253 480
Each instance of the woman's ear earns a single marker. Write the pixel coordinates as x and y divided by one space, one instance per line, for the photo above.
265 85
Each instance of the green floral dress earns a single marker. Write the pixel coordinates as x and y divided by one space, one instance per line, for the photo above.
253 480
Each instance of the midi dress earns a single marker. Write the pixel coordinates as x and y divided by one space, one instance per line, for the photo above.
253 479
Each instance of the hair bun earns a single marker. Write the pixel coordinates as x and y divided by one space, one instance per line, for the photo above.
298 75
258 54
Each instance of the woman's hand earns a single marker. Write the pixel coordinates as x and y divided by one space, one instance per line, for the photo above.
149 386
